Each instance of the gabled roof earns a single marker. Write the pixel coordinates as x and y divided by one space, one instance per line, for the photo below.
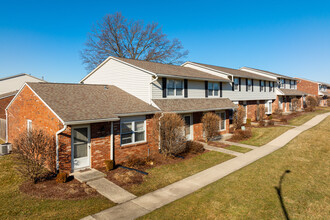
164 70
235 72
268 72
194 104
80 102
292 92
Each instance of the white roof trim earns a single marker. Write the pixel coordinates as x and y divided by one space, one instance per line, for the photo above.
201 110
137 114
90 121
19 75
194 78
25 84
109 58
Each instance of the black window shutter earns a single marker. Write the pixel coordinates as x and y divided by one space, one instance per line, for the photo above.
260 85
206 89
265 86
220 89
270 88
164 86
246 84
233 85
239 83
185 82
252 84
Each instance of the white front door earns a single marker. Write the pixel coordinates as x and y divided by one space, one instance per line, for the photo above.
80 140
188 129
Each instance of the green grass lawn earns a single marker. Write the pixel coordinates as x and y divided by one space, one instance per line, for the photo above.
238 149
307 116
16 205
249 192
164 175
261 136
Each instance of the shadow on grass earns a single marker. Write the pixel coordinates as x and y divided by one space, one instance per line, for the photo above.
280 196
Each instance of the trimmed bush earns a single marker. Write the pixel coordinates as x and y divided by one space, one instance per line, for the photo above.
311 103
262 123
271 123
238 119
134 161
296 104
62 177
210 125
248 122
109 165
194 147
242 134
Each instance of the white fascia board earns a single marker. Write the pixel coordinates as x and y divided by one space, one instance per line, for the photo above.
201 66
200 110
137 114
113 58
19 91
90 121
192 78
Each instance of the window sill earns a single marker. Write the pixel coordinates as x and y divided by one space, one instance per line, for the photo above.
133 144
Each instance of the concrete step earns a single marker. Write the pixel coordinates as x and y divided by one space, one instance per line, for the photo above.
89 175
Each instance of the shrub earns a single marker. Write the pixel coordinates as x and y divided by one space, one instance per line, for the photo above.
210 125
278 112
169 129
311 103
35 154
134 161
270 117
238 119
328 102
109 165
262 123
62 177
284 120
242 134
231 130
271 123
248 122
261 112
296 104
194 147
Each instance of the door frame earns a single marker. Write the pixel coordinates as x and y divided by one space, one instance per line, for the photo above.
88 147
191 125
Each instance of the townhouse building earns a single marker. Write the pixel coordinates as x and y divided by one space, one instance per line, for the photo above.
317 89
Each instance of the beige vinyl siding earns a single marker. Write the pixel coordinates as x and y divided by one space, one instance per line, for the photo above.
15 83
127 78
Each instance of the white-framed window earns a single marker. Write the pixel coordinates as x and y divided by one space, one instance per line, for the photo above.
282 83
268 107
236 82
262 85
271 86
132 132
213 89
174 87
292 83
249 85
222 123
28 125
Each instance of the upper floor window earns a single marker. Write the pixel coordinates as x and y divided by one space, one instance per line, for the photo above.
174 87
271 86
282 83
236 84
249 85
292 83
213 89
262 84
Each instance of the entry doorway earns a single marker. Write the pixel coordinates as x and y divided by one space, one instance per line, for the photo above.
80 143
188 129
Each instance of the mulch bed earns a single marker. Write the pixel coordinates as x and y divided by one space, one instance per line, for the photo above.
49 189
127 178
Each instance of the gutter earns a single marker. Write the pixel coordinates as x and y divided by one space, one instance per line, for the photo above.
162 115
57 147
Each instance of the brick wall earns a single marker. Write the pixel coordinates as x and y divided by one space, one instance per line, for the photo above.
3 105
308 86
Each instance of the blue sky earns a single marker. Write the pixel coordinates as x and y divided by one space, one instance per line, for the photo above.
43 38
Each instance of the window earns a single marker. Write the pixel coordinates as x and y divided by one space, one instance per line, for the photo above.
29 126
271 86
262 84
282 83
132 132
222 125
175 87
213 89
292 82
249 85
236 82
268 107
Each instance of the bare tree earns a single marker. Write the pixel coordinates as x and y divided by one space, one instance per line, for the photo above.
114 35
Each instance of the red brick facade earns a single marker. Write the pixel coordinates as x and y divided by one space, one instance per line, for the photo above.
308 86
3 105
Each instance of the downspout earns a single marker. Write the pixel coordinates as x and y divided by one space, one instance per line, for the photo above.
6 125
57 147
162 114
111 143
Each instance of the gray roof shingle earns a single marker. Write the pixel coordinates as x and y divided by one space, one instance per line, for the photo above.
79 102
271 73
194 104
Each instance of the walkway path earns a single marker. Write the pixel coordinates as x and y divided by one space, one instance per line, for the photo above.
219 149
96 180
147 203
239 144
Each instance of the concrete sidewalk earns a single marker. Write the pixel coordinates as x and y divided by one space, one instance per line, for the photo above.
219 149
239 144
154 200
